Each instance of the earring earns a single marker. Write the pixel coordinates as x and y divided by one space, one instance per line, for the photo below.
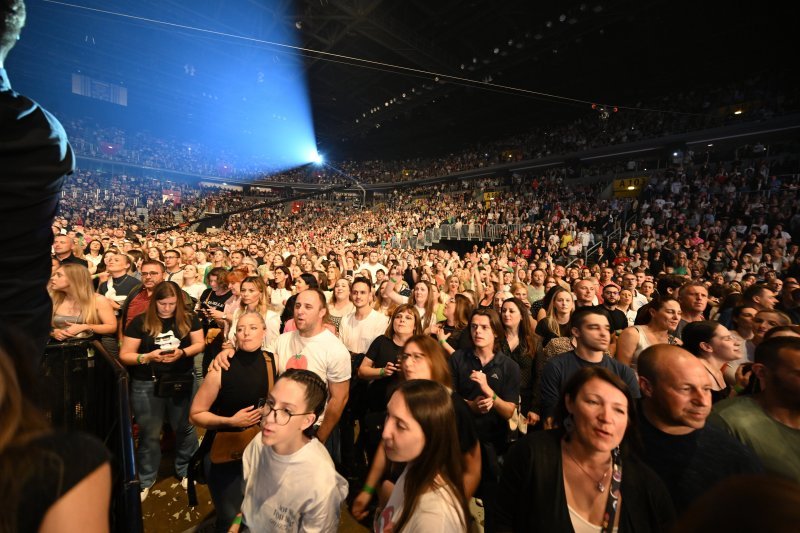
569 424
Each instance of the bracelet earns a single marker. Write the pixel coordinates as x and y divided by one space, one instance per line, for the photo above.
382 372
494 396
442 341
238 519
393 280
368 489
139 358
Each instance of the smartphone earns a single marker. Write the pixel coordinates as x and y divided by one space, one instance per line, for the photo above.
167 352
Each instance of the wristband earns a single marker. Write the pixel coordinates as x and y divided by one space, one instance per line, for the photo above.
442 341
393 280
238 519
139 358
494 396
382 372
368 489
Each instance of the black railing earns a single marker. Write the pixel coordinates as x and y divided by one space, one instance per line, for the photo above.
88 391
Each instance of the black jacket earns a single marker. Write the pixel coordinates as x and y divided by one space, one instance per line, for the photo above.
531 495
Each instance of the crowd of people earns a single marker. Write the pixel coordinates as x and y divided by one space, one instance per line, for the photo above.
335 340
603 364
756 98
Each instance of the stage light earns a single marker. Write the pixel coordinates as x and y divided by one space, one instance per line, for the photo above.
316 157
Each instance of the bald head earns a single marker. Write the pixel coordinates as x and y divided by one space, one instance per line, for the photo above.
676 389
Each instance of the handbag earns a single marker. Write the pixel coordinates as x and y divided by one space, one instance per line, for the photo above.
172 385
229 446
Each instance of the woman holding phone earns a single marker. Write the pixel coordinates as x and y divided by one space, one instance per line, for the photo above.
158 348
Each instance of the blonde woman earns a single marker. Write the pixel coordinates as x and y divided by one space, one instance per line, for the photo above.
192 282
77 311
253 298
340 304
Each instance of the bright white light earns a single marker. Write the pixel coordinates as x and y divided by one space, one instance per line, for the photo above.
316 157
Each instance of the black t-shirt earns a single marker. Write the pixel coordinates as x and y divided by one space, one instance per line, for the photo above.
690 465
215 302
148 344
123 285
49 467
544 332
380 352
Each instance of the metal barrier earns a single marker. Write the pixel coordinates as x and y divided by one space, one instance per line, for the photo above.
474 232
89 392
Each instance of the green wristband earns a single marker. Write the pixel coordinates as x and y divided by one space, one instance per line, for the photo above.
382 372
369 490
238 519
494 396
139 358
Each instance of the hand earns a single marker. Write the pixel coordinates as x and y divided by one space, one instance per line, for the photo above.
743 373
221 362
244 418
390 369
74 329
171 357
532 418
227 345
441 335
153 357
61 334
359 507
484 404
480 378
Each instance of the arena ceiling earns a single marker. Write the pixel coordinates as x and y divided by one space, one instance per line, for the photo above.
612 51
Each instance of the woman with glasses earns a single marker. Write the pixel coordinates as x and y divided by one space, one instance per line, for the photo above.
290 481
381 369
281 285
423 358
229 402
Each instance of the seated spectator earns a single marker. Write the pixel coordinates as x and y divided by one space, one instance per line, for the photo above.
664 317
572 478
715 346
689 455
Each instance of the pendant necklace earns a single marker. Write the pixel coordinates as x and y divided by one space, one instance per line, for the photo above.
601 486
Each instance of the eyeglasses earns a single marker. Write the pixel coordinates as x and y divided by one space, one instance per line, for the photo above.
282 416
150 274
170 257
416 357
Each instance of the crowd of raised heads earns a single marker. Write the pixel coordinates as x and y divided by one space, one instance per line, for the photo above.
414 385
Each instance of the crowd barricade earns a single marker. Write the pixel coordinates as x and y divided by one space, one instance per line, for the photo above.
87 390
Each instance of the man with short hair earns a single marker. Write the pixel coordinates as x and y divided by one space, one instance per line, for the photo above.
236 257
372 265
584 293
173 267
630 283
769 422
592 333
364 324
34 158
689 456
62 249
536 288
139 298
761 297
693 297
313 347
617 318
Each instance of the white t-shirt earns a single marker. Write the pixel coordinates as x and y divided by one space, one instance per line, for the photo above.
323 354
436 510
288 493
195 290
357 334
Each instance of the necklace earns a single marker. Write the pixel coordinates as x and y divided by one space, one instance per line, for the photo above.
600 484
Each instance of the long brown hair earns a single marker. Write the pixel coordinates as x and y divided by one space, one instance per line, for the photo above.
183 321
527 336
405 308
430 304
437 360
494 321
462 311
431 406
